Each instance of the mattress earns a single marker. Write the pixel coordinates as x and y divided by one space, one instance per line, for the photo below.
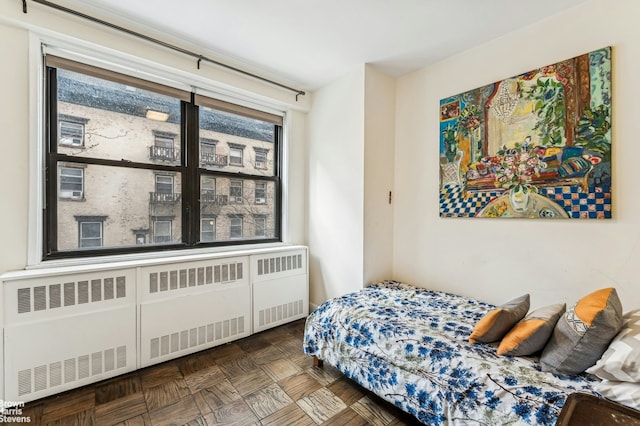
409 345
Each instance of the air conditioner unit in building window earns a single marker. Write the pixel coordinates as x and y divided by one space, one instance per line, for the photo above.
237 199
260 164
71 194
260 201
69 140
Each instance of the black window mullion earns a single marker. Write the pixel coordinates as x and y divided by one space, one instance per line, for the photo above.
50 211
191 180
277 158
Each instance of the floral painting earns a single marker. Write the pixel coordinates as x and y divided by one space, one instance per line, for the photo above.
536 145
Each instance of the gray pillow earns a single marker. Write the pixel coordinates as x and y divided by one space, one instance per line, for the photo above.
531 333
583 333
497 322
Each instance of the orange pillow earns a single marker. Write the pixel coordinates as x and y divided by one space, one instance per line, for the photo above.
531 334
583 333
497 322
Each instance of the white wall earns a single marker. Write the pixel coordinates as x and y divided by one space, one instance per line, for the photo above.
14 174
18 114
335 188
495 260
380 105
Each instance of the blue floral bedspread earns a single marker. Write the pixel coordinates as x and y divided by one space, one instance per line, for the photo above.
410 346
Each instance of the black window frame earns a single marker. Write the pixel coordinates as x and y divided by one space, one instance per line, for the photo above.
189 169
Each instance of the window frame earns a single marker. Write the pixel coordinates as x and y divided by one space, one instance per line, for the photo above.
233 217
61 193
87 222
205 218
189 175
233 187
233 148
262 164
157 221
69 120
260 200
263 225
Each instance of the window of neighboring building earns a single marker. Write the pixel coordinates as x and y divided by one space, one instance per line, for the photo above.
235 226
162 231
236 152
164 148
207 190
261 192
261 158
209 156
152 174
235 191
71 182
164 192
70 133
260 225
90 231
207 229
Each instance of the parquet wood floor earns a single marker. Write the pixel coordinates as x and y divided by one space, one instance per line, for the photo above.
261 380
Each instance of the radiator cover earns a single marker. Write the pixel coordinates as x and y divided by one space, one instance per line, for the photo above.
67 327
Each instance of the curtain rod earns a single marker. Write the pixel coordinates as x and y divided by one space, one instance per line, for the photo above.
161 43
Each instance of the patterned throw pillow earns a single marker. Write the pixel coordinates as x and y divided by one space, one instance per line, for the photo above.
583 333
497 322
624 393
531 334
621 361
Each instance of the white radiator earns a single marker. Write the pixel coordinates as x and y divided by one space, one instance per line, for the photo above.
280 288
68 327
188 307
66 331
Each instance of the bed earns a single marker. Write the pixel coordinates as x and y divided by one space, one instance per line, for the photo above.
410 346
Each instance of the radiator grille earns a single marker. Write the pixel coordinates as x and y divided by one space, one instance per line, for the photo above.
197 336
52 296
192 277
279 312
279 264
43 377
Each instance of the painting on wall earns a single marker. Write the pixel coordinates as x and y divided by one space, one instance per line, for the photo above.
537 145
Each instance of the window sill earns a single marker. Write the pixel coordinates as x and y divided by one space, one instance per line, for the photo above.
152 258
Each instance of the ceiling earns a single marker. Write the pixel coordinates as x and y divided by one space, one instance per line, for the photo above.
309 43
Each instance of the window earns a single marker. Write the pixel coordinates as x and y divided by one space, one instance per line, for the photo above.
235 226
90 231
207 228
71 182
162 231
141 237
163 148
261 158
261 192
235 154
207 189
146 171
71 131
235 191
164 190
208 155
260 224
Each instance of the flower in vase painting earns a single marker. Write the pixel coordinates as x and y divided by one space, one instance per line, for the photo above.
517 166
